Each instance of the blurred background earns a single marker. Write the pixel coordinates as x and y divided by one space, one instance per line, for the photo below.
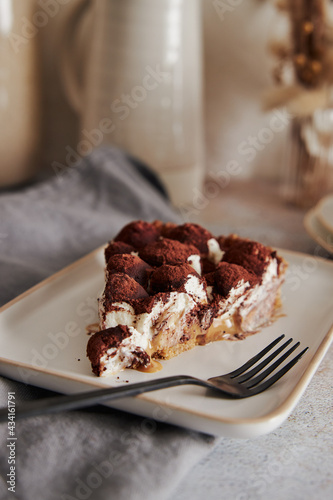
178 83
230 63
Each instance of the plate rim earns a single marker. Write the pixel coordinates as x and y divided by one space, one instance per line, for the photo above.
284 408
286 405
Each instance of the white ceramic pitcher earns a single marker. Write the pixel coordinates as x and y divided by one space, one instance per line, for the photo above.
141 87
19 94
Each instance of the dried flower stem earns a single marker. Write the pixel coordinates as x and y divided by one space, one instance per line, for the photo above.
308 34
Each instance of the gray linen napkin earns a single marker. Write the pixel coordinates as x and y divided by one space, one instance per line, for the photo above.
98 453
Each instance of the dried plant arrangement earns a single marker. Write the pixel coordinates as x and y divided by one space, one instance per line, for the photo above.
303 76
303 72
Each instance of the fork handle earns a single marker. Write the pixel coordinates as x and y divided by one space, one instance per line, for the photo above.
85 399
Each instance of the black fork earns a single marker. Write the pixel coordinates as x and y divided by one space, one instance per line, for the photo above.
241 383
244 382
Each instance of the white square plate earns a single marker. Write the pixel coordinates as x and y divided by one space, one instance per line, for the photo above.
43 337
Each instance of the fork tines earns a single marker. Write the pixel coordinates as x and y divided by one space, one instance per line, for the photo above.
247 377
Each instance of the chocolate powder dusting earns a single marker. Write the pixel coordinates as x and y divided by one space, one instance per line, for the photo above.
169 278
227 276
207 266
191 234
138 234
226 242
121 288
101 341
117 247
144 305
251 255
131 265
167 251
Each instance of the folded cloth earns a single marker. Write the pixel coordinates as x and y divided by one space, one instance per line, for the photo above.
98 453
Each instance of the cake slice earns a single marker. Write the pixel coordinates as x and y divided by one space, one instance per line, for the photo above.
169 288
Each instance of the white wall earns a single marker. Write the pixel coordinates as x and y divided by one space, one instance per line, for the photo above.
237 72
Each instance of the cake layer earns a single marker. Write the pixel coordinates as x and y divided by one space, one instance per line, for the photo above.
169 288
